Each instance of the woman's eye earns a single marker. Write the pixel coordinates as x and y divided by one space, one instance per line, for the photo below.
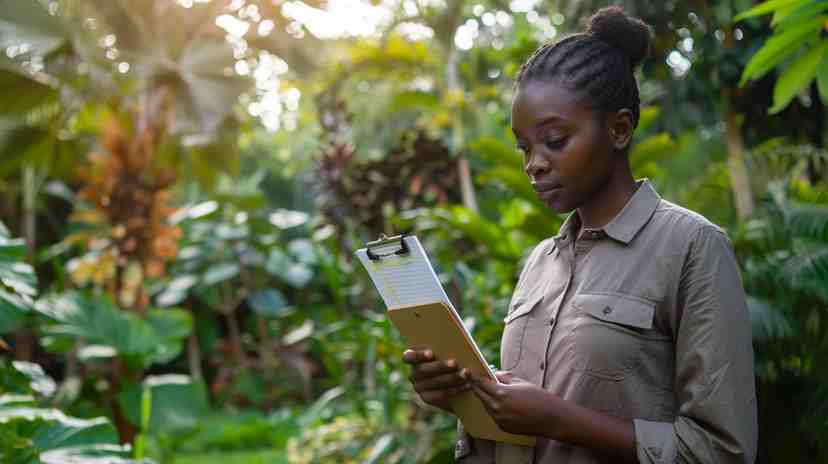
555 144
523 149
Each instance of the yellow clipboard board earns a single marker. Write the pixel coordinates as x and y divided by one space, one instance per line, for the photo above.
435 326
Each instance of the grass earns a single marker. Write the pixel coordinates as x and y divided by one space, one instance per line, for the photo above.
233 457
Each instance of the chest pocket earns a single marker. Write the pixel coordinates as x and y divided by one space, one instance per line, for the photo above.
516 320
609 333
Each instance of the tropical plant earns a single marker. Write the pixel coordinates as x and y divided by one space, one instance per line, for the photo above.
797 43
33 429
785 254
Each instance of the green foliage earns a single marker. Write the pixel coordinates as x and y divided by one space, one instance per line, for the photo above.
140 342
31 432
18 282
797 25
786 272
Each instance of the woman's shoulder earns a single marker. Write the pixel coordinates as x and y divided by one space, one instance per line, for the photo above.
679 221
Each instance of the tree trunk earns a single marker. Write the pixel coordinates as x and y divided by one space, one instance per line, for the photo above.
738 169
235 337
118 375
453 16
23 339
194 357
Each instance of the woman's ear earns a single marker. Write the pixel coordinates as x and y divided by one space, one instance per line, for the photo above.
621 128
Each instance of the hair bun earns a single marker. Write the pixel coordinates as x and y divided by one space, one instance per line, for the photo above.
614 26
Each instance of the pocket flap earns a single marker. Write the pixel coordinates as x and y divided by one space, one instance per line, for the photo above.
521 307
618 309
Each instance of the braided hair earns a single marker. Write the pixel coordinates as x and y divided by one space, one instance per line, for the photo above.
599 63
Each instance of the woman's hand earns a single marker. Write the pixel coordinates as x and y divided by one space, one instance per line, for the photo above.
521 407
436 382
516 405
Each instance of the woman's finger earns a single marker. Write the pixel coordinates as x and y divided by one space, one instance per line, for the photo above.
417 356
440 382
489 402
432 369
489 386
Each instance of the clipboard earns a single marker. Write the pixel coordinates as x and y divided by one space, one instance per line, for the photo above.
437 326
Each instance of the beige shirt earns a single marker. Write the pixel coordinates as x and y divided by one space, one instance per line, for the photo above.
643 319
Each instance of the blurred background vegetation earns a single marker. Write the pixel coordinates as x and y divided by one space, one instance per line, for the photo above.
183 183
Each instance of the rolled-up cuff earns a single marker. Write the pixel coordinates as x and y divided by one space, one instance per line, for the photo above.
655 442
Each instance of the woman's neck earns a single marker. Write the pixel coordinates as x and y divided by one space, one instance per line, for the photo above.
609 200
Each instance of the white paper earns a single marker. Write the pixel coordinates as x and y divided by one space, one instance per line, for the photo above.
407 280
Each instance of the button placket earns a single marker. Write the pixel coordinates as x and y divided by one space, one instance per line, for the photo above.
570 264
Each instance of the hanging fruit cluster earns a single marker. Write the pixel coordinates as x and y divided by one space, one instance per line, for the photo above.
125 233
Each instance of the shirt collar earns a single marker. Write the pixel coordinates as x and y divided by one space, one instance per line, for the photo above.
627 223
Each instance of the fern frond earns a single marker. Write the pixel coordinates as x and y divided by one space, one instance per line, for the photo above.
807 221
807 270
767 321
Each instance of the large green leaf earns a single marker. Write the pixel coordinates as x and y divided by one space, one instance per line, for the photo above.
797 77
18 283
96 319
799 13
50 429
104 453
29 22
39 381
779 47
766 8
205 93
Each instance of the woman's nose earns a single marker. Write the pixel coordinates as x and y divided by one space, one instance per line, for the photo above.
536 165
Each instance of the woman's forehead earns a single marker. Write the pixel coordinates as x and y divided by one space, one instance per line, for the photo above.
537 103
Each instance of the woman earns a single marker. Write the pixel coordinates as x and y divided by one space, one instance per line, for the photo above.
627 337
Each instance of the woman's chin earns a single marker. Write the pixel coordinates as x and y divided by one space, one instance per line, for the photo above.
557 204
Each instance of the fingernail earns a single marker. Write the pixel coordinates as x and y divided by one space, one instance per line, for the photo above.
464 373
429 354
451 363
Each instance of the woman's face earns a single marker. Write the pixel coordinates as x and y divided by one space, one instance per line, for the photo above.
568 153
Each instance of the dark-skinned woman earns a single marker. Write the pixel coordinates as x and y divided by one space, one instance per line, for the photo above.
627 336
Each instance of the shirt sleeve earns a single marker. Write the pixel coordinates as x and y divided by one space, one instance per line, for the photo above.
714 381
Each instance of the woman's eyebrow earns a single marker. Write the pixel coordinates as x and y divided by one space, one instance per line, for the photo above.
549 121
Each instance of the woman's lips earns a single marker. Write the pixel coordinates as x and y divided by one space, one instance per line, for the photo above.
544 187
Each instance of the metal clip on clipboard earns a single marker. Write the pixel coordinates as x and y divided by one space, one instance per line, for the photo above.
383 240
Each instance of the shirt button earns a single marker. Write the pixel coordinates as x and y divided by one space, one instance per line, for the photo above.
607 310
